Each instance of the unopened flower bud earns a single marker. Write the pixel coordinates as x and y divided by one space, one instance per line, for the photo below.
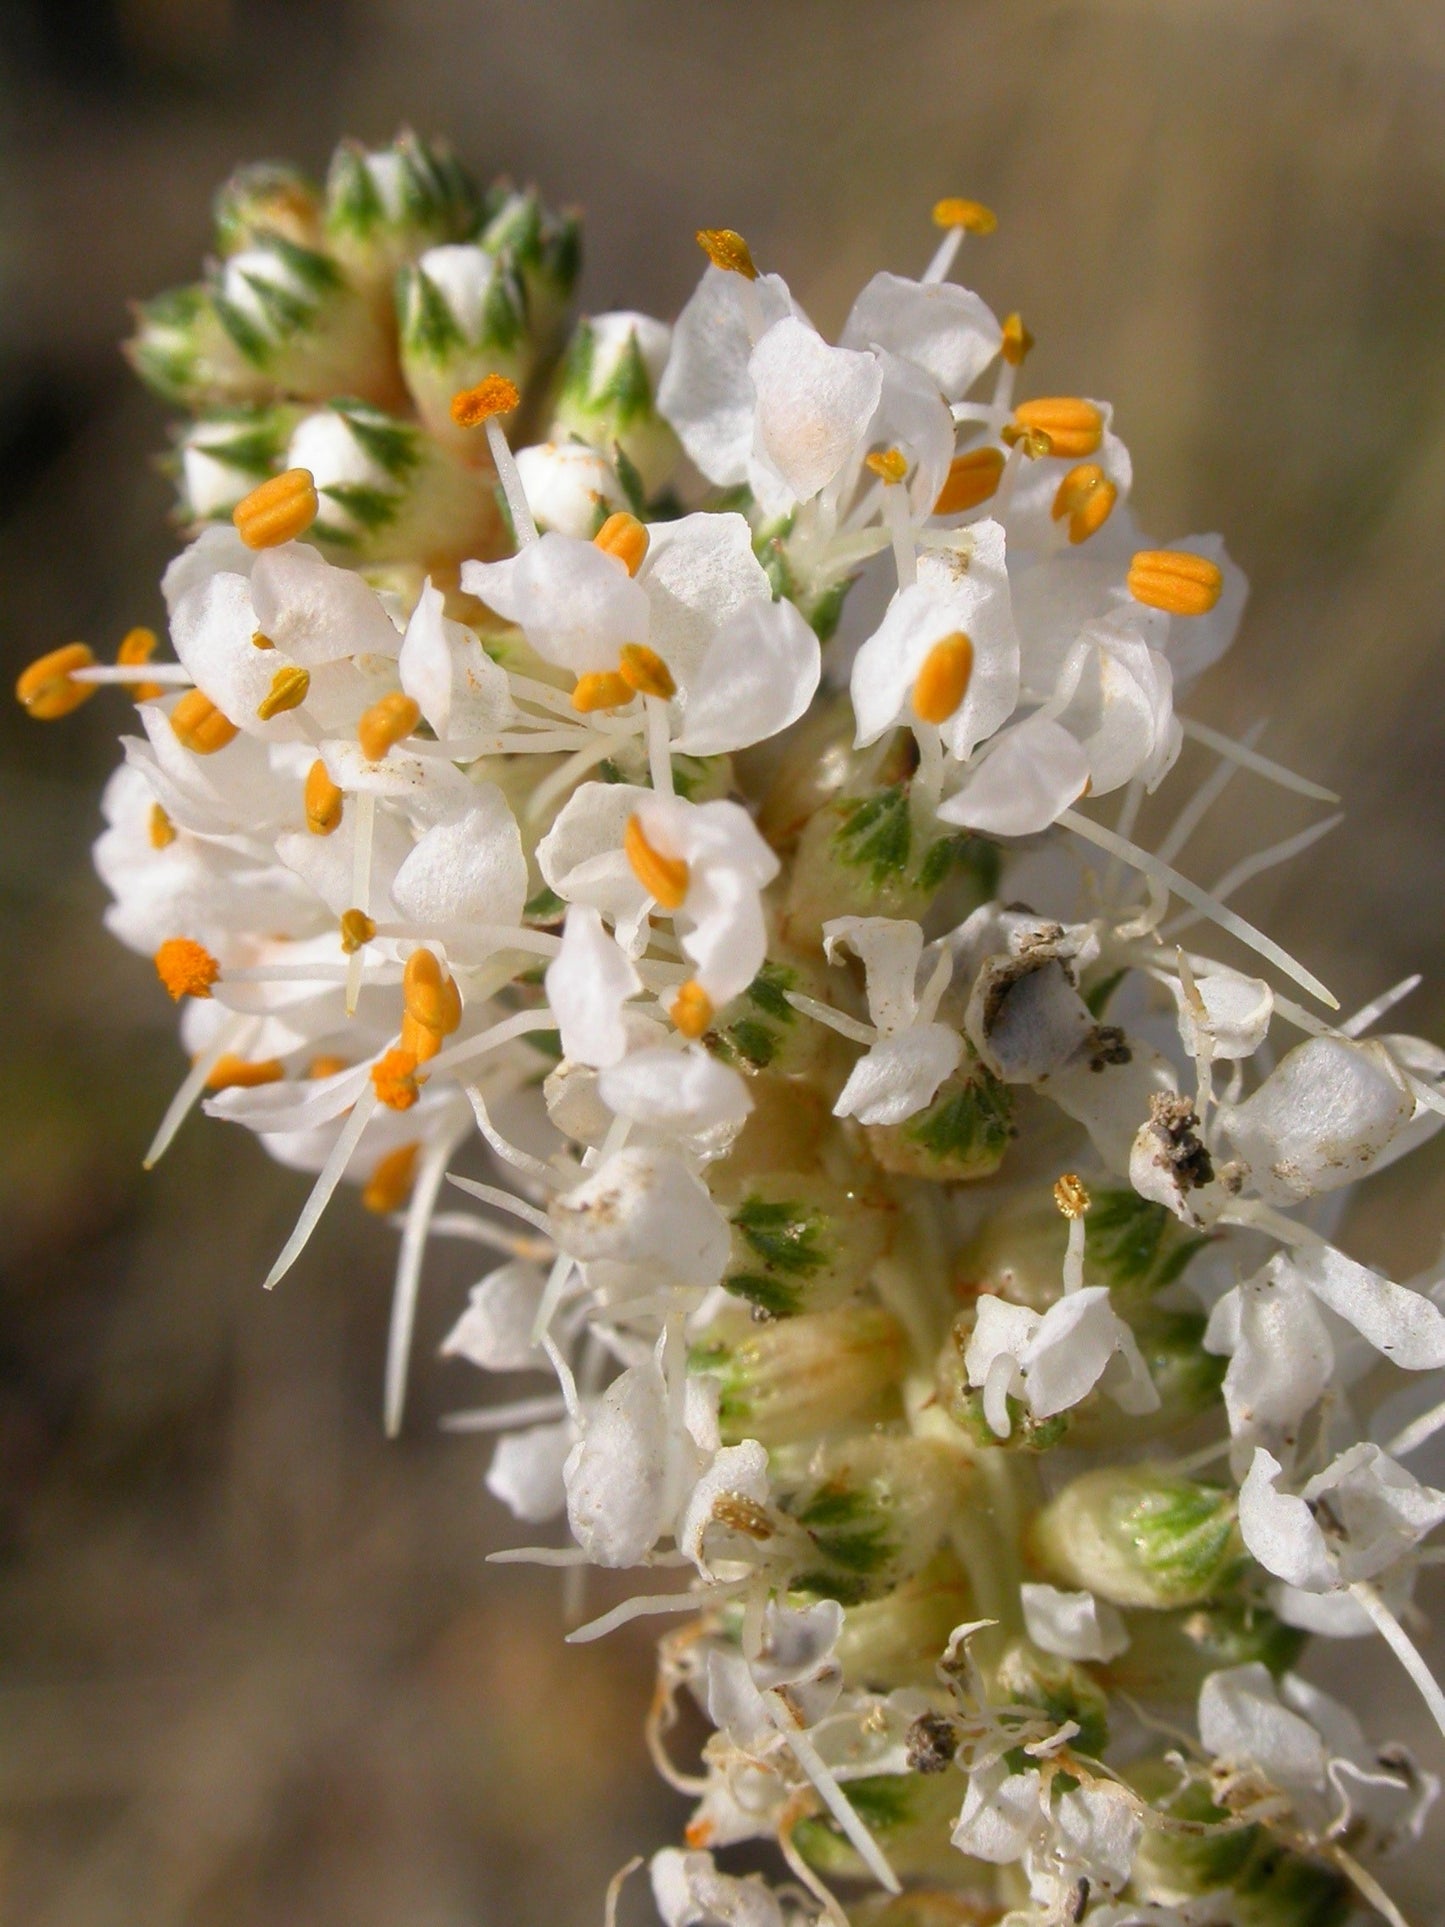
874 1510
608 389
267 197
384 206
896 1640
802 1242
1060 1689
1137 1536
463 316
570 487
801 1376
1170 1654
223 456
387 491
960 1137
544 251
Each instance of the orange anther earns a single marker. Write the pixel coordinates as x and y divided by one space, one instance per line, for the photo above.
162 830
971 215
1175 580
1087 497
1074 427
493 395
394 1078
1017 341
1070 1195
386 723
389 1186
664 878
692 1009
278 511
237 1074
138 645
728 250
601 689
625 537
289 689
890 465
45 689
430 994
186 968
971 479
942 681
323 800
357 930
644 670
199 726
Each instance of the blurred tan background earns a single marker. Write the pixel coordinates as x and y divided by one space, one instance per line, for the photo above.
252 1666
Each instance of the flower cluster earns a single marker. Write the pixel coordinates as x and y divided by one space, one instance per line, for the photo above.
672 762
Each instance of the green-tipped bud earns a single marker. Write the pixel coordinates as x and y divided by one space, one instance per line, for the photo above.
1131 1246
896 1640
222 457
874 1510
961 1136
761 1031
543 249
1170 1655
910 1815
463 317
1060 1689
802 1242
388 493
268 197
607 393
570 487
1139 1537
802 1377
384 206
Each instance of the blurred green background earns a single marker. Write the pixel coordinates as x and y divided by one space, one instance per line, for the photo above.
252 1666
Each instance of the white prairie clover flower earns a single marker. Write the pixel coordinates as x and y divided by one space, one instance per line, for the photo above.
495 809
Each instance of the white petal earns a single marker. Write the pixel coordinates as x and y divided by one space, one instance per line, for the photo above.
698 573
468 871
690 1892
1237 1012
1242 1723
315 612
706 391
581 856
1068 1353
616 1474
495 1330
645 1207
759 674
737 1472
1320 1118
526 1470
1383 1510
588 982
1032 774
900 1075
1282 1356
813 404
1074 1625
575 604
890 949
675 1091
445 670
947 330
1003 1813
1403 1324
1280 1529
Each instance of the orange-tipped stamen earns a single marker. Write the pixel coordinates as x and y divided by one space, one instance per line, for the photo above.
493 395
45 689
1175 580
890 465
601 689
1070 1196
664 878
138 645
323 800
385 724
260 640
1087 497
430 994
692 1009
289 689
942 682
238 1074
199 726
395 1081
971 479
160 828
278 511
357 930
389 1186
972 216
644 670
625 537
186 968
1075 427
727 250
324 1066
1017 341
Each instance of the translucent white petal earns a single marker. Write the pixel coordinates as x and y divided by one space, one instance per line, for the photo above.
1320 1118
1075 1625
1032 773
1280 1530
616 1474
445 670
588 982
699 572
315 612
471 870
1242 1723
526 1470
575 604
758 675
495 1330
900 1075
706 391
947 330
644 1207
675 1091
813 404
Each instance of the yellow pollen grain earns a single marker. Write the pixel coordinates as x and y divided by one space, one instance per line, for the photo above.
160 827
493 395
1087 497
1070 1195
971 479
1017 341
357 930
395 1081
1075 427
323 800
664 878
890 465
942 682
389 1186
727 250
692 1009
278 511
430 994
324 1066
138 645
260 640
199 726
1180 583
239 1074
644 670
973 216
45 689
289 689
186 968
385 724
601 689
625 537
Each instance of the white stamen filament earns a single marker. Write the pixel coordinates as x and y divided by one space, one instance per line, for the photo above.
360 889
944 256
173 674
428 1182
659 746
832 1795
1248 758
1404 1649
233 1035
508 474
837 1020
1256 865
545 1409
503 1200
330 1176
